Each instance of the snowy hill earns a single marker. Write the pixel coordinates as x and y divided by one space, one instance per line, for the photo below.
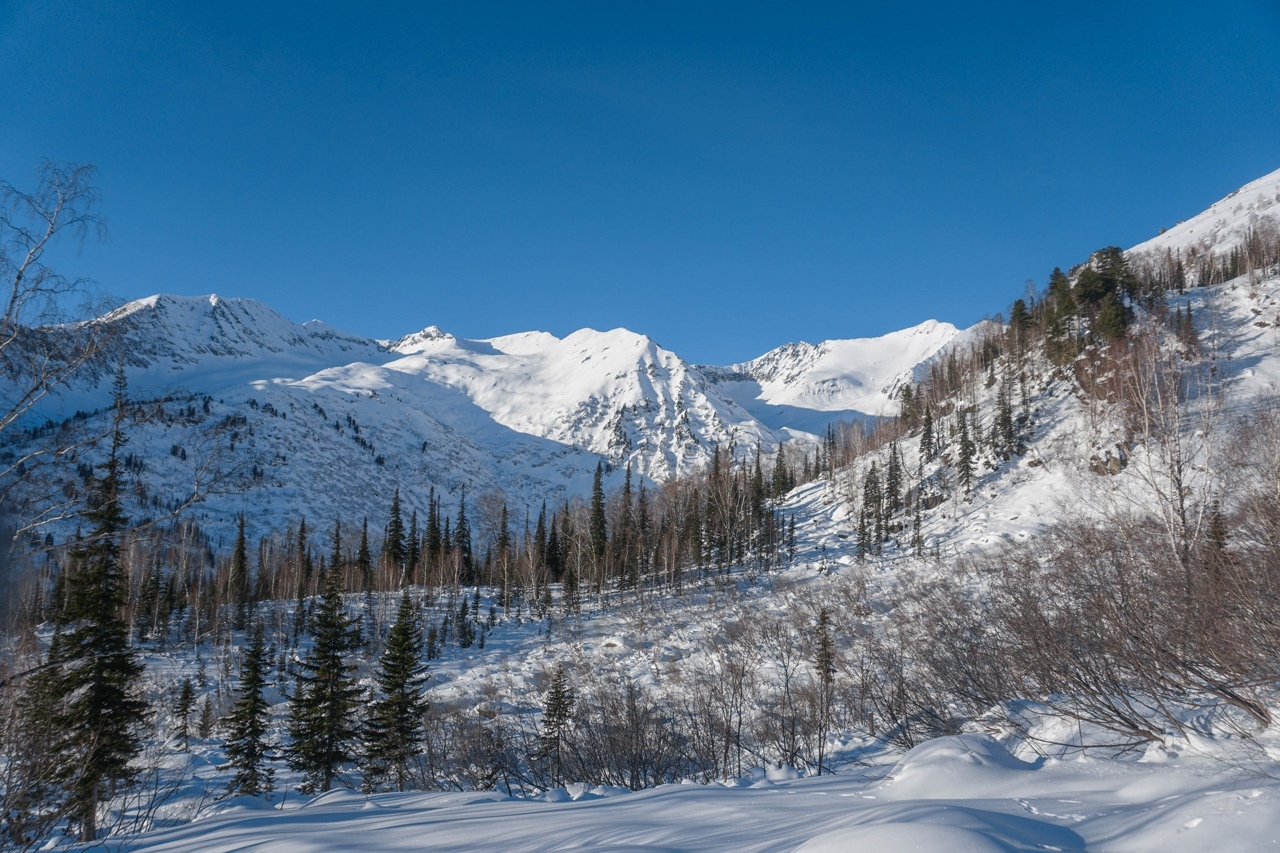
801 387
308 420
1225 224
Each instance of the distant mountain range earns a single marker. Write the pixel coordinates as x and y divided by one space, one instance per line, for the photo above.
319 423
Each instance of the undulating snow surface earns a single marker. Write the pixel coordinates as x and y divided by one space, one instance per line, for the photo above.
964 794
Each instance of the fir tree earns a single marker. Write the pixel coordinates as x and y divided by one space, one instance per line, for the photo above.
824 665
247 748
393 537
364 559
182 710
927 445
91 689
598 526
964 464
393 733
204 728
557 719
893 481
239 580
322 711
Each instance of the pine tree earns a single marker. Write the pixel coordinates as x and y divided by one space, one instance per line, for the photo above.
322 711
364 559
393 733
557 718
393 538
247 747
91 689
964 464
598 526
893 481
204 728
182 710
927 443
239 580
824 665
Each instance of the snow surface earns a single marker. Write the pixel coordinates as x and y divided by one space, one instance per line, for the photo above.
1224 224
963 793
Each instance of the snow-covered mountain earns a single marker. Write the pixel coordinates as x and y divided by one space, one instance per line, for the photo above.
802 387
312 421
1225 223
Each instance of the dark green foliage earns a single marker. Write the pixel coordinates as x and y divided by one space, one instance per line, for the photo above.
557 720
394 730
248 749
204 728
323 724
598 525
928 442
964 461
182 710
364 559
239 580
90 691
393 547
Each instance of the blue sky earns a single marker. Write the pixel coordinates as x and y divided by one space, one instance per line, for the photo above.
722 177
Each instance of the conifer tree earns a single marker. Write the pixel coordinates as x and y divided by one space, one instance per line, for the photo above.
182 710
893 481
393 732
322 711
239 580
204 728
364 559
462 537
393 537
598 525
964 462
248 749
927 442
824 665
557 719
91 688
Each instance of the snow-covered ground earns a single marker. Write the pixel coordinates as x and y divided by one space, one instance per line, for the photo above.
963 794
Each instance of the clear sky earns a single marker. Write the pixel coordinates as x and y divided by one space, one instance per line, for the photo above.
722 177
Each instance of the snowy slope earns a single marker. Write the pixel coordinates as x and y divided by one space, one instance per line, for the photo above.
1225 223
802 387
306 420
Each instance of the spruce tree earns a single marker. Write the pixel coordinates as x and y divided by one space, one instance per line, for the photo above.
364 559
927 442
182 710
557 718
247 748
964 463
598 526
394 730
322 711
824 665
239 580
393 549
91 690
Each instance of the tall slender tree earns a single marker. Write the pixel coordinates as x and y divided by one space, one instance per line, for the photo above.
393 732
91 690
248 748
323 724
